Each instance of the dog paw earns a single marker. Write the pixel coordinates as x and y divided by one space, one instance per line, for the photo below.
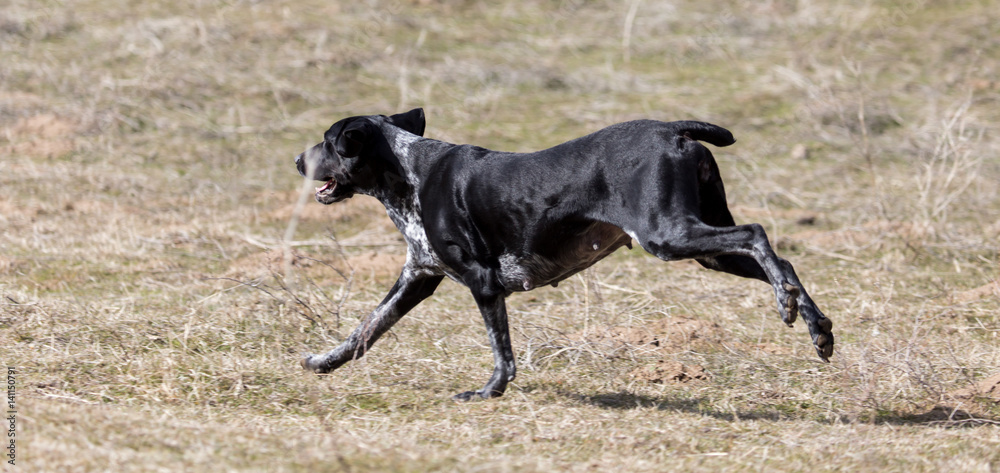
314 363
820 329
469 396
823 338
788 301
485 393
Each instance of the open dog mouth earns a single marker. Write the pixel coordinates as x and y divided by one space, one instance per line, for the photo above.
326 191
330 185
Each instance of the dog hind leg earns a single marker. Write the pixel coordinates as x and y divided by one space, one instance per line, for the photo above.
745 251
715 212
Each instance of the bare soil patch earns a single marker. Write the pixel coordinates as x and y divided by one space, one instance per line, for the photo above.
668 335
987 388
41 136
990 289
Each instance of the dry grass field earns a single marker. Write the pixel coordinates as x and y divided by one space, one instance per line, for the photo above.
161 272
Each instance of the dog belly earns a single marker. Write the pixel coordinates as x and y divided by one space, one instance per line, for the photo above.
579 251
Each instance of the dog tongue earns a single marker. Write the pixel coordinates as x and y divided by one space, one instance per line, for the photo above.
329 185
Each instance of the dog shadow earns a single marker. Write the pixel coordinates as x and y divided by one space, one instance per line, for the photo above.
939 415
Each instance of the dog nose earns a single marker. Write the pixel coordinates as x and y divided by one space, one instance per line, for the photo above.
300 164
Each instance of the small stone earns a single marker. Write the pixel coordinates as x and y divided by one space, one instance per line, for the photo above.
799 151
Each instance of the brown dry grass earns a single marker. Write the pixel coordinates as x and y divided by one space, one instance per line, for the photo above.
156 313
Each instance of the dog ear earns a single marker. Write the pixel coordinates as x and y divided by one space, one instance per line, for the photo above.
352 138
412 121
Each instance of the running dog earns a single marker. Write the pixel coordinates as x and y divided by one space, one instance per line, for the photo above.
502 222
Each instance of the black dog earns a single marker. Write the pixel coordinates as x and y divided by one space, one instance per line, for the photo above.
507 222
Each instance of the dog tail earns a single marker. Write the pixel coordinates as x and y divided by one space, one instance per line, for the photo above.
706 132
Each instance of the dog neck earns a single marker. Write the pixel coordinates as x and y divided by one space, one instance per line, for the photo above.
409 150
413 154
398 191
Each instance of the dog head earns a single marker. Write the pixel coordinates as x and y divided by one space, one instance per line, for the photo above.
354 153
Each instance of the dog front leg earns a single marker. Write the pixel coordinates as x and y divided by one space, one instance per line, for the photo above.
411 288
494 311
